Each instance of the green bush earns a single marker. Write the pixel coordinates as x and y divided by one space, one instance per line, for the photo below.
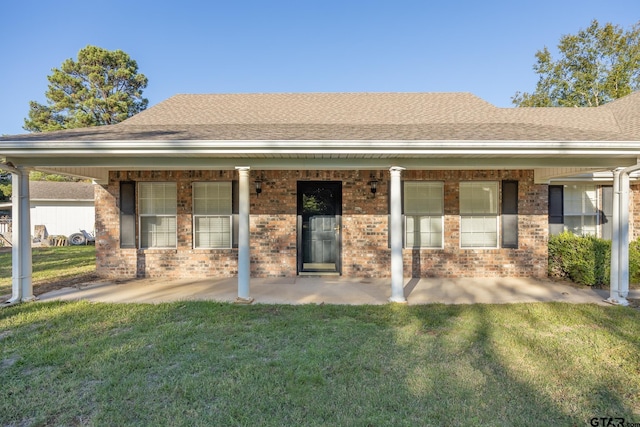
634 262
587 259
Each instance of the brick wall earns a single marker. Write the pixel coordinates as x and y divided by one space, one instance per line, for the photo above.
365 245
528 260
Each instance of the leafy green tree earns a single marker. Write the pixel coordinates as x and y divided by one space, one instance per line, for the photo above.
597 65
101 88
313 205
5 186
41 176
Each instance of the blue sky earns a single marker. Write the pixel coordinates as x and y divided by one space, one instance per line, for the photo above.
238 46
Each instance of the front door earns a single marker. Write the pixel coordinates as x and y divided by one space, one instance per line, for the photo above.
319 226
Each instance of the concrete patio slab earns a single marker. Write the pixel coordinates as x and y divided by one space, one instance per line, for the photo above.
334 290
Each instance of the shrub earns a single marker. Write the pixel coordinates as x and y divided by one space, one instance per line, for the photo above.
587 259
634 261
583 260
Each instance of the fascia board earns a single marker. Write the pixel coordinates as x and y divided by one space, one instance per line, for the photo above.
269 147
102 163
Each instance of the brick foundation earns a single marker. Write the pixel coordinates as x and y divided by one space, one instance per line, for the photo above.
365 248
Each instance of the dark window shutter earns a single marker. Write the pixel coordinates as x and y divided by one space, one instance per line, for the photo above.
556 204
509 214
556 209
127 214
235 202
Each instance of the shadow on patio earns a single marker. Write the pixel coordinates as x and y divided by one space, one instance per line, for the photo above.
333 290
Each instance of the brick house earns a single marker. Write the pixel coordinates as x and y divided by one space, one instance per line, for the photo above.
355 184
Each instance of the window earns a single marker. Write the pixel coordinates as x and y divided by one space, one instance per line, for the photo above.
424 214
606 212
479 214
212 214
158 205
581 209
127 214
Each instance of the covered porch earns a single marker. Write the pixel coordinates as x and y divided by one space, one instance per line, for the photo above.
396 284
334 290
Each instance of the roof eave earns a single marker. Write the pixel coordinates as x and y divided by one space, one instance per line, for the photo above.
311 147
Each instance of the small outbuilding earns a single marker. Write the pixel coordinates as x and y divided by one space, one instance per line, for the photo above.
58 209
64 208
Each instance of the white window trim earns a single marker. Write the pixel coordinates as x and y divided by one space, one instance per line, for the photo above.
483 215
147 215
424 214
583 188
140 233
196 216
497 220
195 232
404 235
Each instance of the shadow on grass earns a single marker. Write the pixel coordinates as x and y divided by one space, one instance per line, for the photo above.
526 364
203 363
53 267
48 259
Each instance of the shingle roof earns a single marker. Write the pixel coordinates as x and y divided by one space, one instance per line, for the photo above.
52 190
312 108
360 116
627 113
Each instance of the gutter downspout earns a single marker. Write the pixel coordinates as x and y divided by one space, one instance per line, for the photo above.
619 287
21 263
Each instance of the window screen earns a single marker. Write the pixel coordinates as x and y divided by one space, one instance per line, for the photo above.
479 214
157 203
212 214
423 214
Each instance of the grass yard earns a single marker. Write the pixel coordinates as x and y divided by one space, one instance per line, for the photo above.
204 363
52 267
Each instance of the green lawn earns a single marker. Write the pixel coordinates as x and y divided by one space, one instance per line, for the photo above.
214 364
52 265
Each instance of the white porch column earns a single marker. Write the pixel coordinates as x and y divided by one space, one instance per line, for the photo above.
620 236
395 231
244 254
623 254
22 288
615 240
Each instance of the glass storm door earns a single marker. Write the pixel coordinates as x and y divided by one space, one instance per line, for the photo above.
319 226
